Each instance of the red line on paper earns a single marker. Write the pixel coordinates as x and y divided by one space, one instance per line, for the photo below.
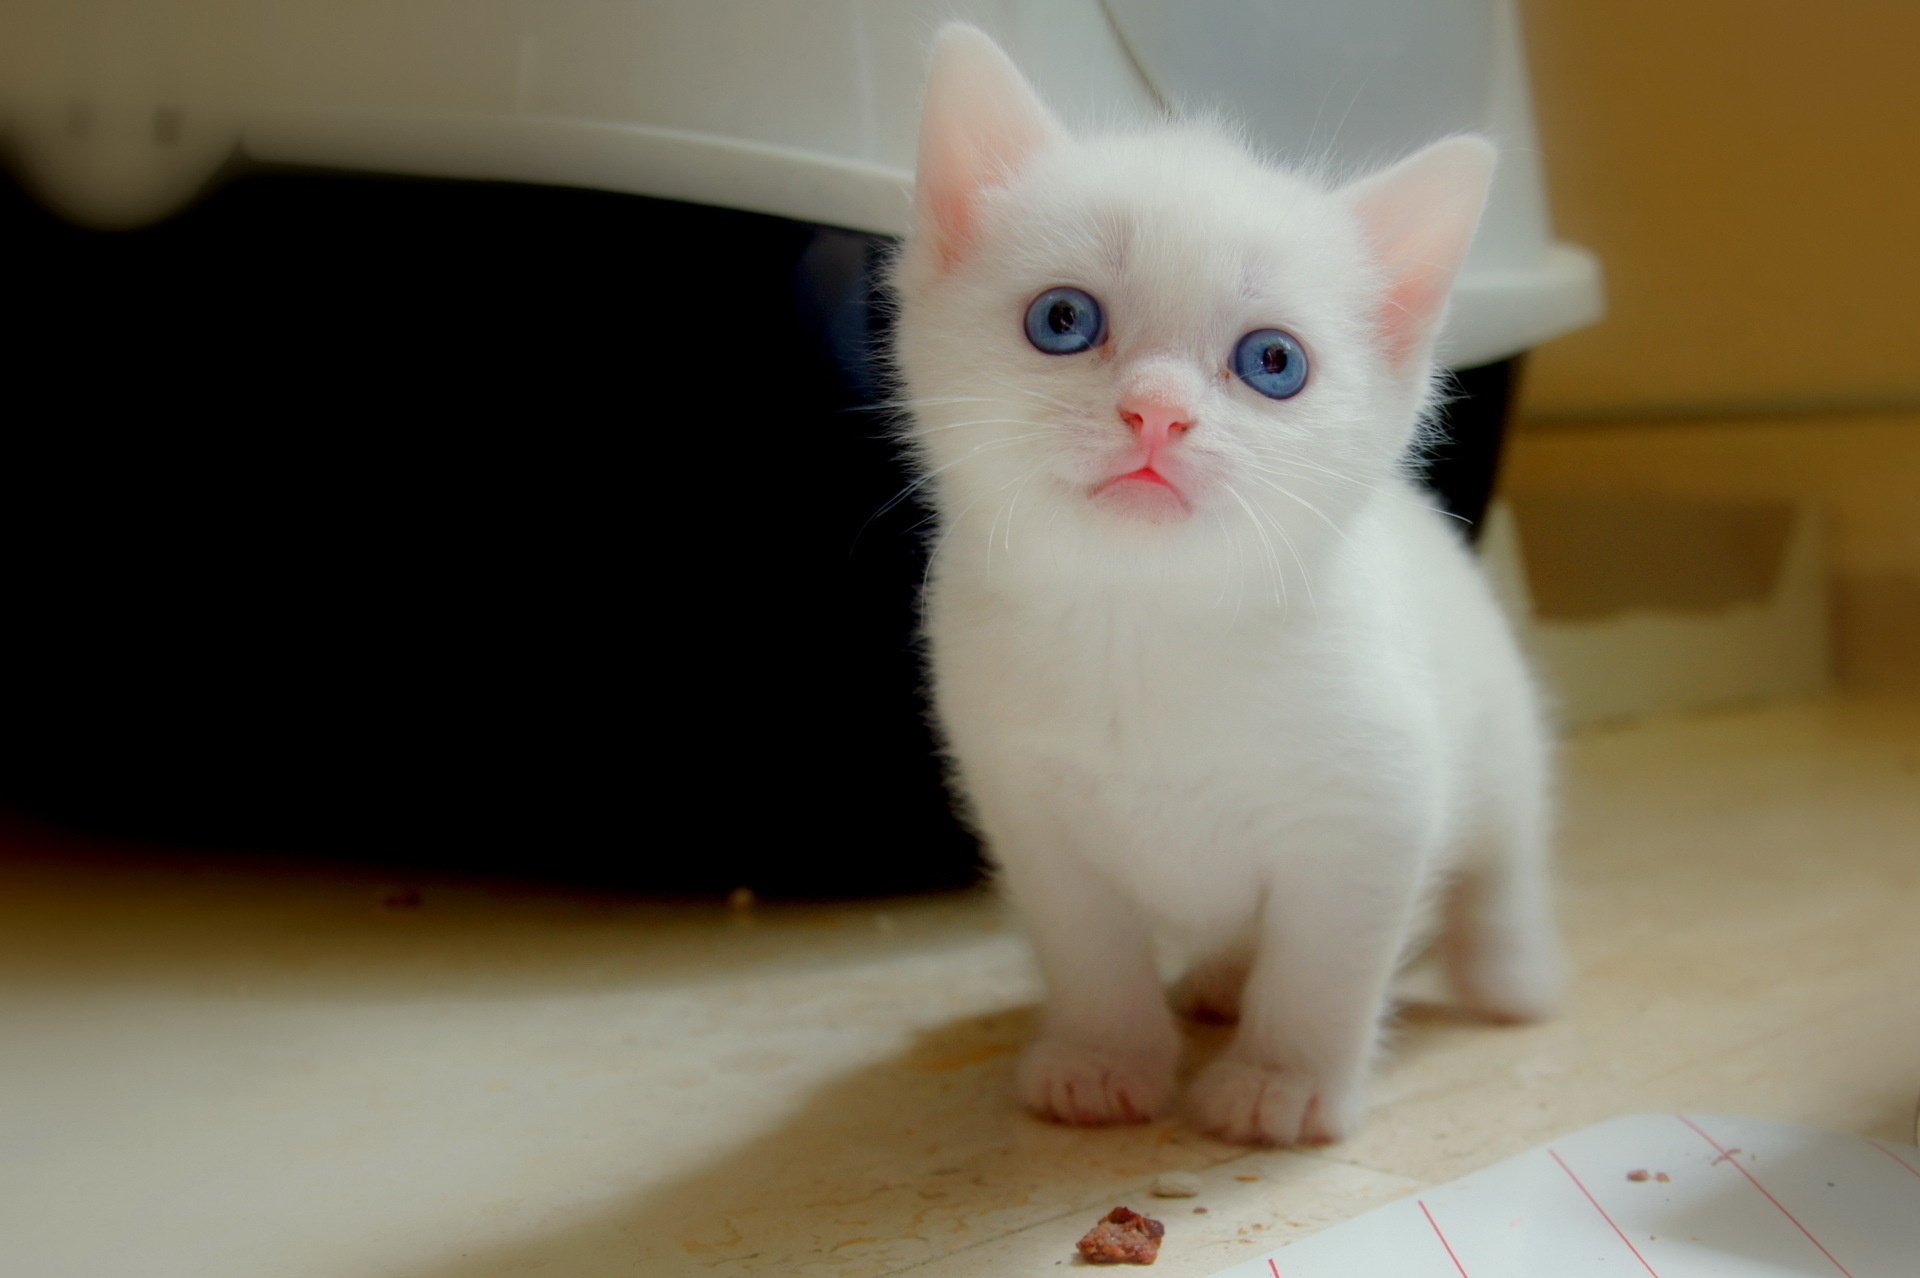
1603 1213
1274 1266
1449 1246
1734 1163
1895 1157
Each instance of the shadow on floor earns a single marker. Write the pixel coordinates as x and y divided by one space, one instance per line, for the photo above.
905 1161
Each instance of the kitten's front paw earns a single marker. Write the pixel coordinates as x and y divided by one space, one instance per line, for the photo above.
1251 1104
1082 1083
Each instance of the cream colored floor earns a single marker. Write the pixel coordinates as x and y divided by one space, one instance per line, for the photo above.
228 1074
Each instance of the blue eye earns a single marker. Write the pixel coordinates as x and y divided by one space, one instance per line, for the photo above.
1065 321
1271 362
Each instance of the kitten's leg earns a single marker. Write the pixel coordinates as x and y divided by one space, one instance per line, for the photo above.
1501 943
1107 1046
1210 989
1297 1068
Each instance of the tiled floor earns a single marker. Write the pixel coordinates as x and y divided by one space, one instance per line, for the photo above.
227 1074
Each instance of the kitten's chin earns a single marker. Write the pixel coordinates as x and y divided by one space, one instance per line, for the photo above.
1144 495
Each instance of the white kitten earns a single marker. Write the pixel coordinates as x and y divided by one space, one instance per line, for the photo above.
1204 658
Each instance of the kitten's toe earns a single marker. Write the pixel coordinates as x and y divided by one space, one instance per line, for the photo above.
1253 1104
1094 1085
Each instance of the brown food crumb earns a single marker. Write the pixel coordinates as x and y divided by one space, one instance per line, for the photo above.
1662 1177
1123 1236
1248 1179
1199 1211
1641 1174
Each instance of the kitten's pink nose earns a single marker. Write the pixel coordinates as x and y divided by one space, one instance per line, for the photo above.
1155 420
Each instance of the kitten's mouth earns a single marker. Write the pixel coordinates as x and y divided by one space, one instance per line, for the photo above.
1144 491
1145 475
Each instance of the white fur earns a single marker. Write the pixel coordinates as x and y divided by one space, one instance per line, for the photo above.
1275 725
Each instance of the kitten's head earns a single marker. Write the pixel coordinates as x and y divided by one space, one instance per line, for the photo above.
1149 346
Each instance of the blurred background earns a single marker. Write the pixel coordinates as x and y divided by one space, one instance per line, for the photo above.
443 435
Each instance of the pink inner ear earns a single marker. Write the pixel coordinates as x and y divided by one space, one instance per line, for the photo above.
981 123
962 158
1419 217
1410 310
959 168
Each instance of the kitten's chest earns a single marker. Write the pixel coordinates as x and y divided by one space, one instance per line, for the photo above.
1168 751
1125 690
1181 753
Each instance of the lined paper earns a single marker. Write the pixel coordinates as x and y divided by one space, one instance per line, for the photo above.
1648 1196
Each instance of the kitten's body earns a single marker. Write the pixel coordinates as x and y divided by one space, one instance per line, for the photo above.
1263 701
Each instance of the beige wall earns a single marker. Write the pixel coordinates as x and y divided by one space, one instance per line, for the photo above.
1749 173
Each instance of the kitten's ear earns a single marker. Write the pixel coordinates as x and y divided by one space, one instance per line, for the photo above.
981 122
1419 217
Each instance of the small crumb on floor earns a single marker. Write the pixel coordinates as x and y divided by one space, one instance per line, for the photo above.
1123 1236
1248 1179
1639 1174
